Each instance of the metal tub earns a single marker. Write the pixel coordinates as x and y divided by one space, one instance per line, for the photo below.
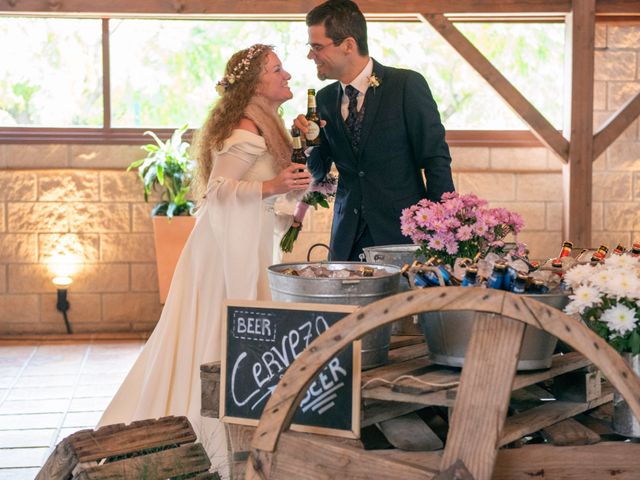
447 335
397 255
343 291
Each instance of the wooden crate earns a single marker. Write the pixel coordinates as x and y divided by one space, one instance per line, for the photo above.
147 449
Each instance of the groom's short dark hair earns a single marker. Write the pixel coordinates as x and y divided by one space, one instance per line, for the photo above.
341 19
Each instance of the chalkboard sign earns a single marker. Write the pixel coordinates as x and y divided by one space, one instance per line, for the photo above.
261 340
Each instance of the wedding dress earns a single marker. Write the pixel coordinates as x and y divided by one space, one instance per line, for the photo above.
235 238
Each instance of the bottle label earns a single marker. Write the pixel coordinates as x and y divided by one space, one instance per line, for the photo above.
311 101
297 143
313 131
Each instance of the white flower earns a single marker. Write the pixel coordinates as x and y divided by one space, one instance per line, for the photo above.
373 81
578 275
626 262
621 319
624 284
583 297
601 278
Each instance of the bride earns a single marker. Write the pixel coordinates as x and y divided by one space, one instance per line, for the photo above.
243 157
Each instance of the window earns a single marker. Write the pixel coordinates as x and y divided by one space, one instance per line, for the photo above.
52 72
162 73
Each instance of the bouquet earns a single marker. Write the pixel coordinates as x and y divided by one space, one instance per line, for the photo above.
606 297
459 226
318 194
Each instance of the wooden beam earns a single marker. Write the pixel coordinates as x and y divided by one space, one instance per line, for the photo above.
617 124
208 7
539 125
577 173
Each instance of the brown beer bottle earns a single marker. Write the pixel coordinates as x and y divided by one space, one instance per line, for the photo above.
619 250
313 133
297 155
566 249
599 254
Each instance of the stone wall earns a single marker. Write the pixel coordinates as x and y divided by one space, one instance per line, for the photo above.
79 197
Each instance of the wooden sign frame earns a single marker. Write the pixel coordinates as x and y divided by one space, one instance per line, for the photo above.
356 373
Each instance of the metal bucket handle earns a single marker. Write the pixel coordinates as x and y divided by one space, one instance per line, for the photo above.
330 256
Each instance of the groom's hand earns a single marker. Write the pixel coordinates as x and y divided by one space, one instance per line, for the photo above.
303 125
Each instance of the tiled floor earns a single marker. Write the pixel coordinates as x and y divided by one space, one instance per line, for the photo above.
50 390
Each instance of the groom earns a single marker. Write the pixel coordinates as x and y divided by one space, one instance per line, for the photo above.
382 132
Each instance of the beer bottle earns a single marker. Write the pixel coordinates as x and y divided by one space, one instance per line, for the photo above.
313 132
599 254
619 250
538 287
520 283
566 249
496 279
470 277
297 156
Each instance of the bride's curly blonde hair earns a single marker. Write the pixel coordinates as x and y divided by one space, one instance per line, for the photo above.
242 75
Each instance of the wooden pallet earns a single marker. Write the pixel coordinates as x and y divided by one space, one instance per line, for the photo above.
148 449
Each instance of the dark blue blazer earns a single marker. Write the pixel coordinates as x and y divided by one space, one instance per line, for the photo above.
402 138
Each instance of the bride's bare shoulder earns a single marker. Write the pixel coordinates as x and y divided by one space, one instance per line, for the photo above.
249 125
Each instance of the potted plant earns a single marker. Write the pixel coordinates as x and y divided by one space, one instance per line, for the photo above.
607 297
168 167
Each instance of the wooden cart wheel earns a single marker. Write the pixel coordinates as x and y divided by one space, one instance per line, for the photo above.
485 384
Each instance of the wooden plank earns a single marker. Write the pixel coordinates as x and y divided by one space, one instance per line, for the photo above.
408 352
540 417
485 387
615 460
378 411
577 174
238 445
202 7
539 125
186 459
616 125
60 463
210 388
446 398
398 341
569 432
113 440
313 457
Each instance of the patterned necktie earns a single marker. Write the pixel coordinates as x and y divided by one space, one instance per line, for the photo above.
354 118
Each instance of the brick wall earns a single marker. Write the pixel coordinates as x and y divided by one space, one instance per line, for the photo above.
79 196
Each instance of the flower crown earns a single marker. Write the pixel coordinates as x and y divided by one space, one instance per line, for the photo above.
240 68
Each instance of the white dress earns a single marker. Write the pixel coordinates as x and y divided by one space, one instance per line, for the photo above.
234 239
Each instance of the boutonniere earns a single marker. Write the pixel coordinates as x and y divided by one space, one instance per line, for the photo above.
374 81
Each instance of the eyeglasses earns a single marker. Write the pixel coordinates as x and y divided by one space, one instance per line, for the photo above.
317 48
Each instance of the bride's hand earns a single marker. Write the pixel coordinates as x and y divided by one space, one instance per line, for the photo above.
291 178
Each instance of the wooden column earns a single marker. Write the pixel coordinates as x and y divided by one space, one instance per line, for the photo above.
577 173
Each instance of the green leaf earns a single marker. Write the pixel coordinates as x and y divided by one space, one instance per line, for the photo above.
634 342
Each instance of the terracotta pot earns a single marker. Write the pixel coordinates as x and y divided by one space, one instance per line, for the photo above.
169 236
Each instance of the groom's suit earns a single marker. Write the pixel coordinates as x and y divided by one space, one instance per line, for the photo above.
401 136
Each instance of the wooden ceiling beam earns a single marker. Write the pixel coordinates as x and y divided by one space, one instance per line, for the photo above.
200 7
539 125
615 125
293 7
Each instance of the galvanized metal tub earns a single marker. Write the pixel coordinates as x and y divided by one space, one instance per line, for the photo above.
624 422
397 255
447 335
343 291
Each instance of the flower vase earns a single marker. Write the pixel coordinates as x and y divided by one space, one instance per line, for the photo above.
624 422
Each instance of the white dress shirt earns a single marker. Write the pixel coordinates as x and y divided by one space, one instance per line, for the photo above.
360 83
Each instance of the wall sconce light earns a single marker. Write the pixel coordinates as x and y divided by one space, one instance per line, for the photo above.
62 267
63 305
